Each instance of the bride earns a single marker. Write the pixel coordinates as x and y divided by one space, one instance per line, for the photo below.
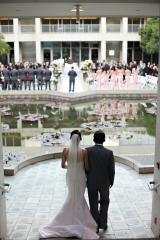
74 218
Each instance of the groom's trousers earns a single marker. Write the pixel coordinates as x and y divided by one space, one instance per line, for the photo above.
101 197
71 85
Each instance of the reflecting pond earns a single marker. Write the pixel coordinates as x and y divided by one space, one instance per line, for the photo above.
135 121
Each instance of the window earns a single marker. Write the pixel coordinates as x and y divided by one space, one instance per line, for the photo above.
113 50
54 21
45 21
66 21
28 51
84 54
113 24
87 21
94 44
56 44
95 21
113 20
75 44
27 21
85 44
6 22
65 44
56 52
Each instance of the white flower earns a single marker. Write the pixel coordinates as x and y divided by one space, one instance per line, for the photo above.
58 64
86 65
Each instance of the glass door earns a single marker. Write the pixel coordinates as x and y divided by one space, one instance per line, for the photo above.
47 55
94 54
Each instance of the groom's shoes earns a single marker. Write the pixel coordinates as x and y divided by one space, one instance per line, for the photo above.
100 227
105 228
97 230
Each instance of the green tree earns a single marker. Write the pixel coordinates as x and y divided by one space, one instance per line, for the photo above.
150 36
4 47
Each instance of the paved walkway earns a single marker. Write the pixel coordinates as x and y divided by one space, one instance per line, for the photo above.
38 192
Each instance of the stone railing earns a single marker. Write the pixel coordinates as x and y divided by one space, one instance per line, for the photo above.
12 169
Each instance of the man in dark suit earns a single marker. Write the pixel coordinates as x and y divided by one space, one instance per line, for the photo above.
22 72
47 77
6 74
31 79
14 78
72 75
100 179
39 76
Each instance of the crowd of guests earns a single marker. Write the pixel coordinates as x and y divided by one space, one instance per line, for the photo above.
38 76
25 76
116 75
142 68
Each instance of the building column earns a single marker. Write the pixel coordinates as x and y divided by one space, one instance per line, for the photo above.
103 43
124 25
16 41
16 52
103 25
3 222
38 52
103 51
124 30
38 43
124 51
155 225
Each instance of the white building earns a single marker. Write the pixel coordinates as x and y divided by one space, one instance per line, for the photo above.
45 39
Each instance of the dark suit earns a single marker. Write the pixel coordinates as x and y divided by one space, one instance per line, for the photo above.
14 78
72 75
39 76
31 78
99 179
6 74
23 78
47 75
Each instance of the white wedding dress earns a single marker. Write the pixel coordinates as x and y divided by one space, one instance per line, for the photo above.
74 218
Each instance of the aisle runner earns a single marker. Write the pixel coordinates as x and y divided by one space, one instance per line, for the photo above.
64 87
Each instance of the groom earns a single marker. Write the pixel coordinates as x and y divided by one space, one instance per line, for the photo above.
72 75
100 178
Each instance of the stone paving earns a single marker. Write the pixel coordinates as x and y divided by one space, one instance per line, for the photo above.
38 192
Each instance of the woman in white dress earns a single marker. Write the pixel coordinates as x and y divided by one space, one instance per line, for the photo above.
74 218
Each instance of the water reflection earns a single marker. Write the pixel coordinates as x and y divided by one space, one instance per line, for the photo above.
63 116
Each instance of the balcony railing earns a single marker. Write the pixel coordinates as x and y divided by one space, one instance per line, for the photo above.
27 28
113 27
70 28
133 27
6 28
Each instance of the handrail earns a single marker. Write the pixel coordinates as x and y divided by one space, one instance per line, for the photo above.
133 27
29 28
113 27
6 28
70 28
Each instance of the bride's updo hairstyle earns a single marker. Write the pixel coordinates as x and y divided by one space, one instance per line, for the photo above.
76 132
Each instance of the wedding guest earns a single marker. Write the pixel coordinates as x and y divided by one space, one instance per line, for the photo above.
47 78
31 79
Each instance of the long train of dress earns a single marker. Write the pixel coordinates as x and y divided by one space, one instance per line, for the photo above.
74 218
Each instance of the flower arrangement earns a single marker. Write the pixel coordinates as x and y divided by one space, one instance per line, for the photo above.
89 63
86 65
58 65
